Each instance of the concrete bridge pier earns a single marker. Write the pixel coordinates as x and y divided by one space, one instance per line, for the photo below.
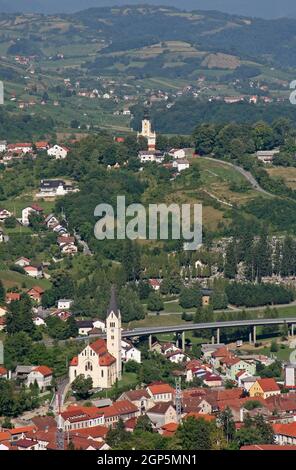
250 337
292 329
183 341
254 334
150 342
218 335
213 339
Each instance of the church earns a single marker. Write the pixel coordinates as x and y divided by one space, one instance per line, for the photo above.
102 360
148 133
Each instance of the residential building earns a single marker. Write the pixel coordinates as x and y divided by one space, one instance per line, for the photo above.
42 375
58 151
27 211
264 388
162 413
161 392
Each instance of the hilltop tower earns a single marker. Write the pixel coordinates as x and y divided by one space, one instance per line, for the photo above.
148 133
113 327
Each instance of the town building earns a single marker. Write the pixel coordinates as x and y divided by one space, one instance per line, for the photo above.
148 133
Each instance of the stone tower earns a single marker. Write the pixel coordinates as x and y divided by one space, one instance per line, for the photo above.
113 327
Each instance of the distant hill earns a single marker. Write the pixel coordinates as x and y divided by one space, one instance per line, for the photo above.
262 8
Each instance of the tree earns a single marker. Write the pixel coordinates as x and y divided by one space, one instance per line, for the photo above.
2 292
155 303
194 434
225 418
117 435
143 424
82 386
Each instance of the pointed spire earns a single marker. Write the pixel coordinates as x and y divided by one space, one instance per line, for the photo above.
113 302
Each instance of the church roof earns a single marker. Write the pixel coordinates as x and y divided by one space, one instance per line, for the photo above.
113 307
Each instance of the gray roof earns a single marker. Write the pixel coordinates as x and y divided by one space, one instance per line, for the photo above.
113 307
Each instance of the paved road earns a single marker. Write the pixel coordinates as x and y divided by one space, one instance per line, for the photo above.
249 177
86 249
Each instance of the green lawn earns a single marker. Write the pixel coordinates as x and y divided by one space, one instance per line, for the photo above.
11 279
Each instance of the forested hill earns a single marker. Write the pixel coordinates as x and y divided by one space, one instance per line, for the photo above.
127 28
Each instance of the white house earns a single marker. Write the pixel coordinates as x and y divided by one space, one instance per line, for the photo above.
38 321
53 188
4 214
177 154
100 325
64 304
129 352
290 376
34 271
3 146
42 375
177 357
181 165
27 211
22 262
58 151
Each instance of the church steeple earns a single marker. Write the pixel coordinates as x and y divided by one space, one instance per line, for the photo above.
113 307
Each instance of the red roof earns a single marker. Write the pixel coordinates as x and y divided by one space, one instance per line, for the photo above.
21 430
3 371
154 282
4 436
12 296
44 370
285 429
196 415
119 408
157 389
74 361
267 447
106 359
95 432
37 208
268 385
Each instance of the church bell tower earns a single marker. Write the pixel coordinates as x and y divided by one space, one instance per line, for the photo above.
113 327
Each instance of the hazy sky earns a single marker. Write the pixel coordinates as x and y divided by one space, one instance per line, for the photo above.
263 8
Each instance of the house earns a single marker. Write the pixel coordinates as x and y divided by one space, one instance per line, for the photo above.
69 249
121 409
27 211
39 321
177 154
264 388
54 188
84 326
20 147
62 314
80 417
3 310
3 373
233 365
155 284
101 360
168 430
41 146
58 151
140 398
2 323
64 304
96 433
3 146
22 262
285 434
161 392
181 164
129 352
34 271
212 380
267 156
151 156
99 324
4 214
12 297
290 376
36 293
51 221
162 413
42 375
177 357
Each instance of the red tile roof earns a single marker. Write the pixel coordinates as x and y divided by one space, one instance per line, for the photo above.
74 361
196 415
44 370
106 360
95 432
4 436
3 371
119 408
157 389
267 447
12 296
285 429
268 385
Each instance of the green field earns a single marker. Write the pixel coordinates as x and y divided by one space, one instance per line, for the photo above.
14 279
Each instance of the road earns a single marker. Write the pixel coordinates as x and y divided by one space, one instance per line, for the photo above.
86 249
249 177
